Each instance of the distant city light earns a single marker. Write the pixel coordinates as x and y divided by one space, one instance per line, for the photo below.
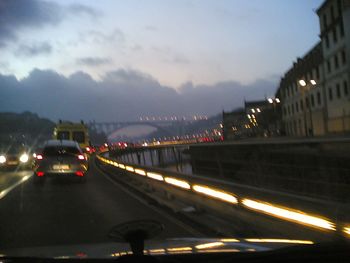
258 110
270 100
277 100
253 110
313 82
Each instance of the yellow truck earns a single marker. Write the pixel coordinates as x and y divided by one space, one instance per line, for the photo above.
78 132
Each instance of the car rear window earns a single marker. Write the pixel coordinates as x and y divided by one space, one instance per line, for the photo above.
79 136
60 150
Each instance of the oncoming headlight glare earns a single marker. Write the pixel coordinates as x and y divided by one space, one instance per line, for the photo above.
2 159
24 158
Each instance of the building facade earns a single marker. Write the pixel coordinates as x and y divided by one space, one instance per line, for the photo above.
334 16
257 119
315 92
235 125
303 106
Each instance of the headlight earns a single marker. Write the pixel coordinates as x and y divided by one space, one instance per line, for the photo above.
2 159
24 158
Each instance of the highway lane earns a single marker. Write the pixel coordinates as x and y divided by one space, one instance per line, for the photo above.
66 212
10 178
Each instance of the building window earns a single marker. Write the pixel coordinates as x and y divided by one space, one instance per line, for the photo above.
318 98
346 91
336 61
338 90
343 57
335 37
307 104
326 40
329 66
341 28
284 111
292 108
296 107
317 73
325 20
288 110
332 13
339 7
288 91
301 105
330 94
312 100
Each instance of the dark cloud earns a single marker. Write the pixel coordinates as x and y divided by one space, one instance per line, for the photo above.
82 9
16 15
93 61
98 37
120 95
41 48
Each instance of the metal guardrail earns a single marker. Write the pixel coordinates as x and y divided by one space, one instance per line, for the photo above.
229 193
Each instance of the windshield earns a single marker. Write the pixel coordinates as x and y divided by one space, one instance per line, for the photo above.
57 151
79 136
221 125
63 135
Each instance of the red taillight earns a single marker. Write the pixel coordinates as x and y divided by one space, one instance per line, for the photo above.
39 157
79 173
81 157
40 174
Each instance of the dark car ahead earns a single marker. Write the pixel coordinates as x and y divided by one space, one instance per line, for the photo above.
60 158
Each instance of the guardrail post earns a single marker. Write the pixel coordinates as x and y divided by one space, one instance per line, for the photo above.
151 154
160 157
176 159
143 157
138 157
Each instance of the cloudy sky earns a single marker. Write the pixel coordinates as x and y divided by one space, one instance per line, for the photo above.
118 60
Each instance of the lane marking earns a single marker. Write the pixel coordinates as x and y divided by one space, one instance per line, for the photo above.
3 193
174 220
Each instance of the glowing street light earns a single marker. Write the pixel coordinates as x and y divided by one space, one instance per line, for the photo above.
302 83
306 88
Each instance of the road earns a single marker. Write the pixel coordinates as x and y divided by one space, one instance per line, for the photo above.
67 213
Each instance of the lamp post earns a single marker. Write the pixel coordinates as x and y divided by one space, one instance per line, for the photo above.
305 87
275 102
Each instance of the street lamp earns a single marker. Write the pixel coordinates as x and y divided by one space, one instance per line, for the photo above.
275 121
306 87
274 100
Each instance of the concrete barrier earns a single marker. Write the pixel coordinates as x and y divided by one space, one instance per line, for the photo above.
229 199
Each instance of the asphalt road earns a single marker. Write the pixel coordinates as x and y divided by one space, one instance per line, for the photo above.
10 178
68 213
